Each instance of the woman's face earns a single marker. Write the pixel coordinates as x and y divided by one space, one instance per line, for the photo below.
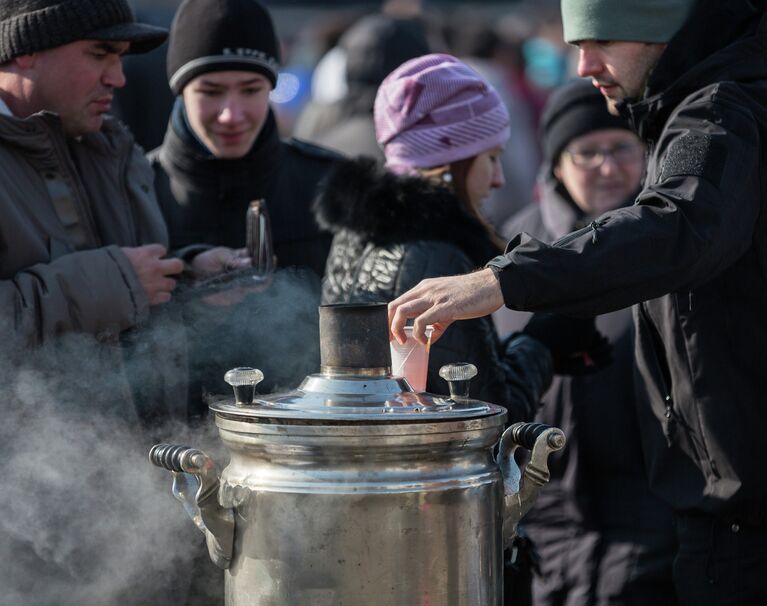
484 175
601 169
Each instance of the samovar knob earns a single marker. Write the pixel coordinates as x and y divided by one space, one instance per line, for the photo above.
243 381
458 377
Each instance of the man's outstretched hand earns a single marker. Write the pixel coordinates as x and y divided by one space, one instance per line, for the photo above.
441 301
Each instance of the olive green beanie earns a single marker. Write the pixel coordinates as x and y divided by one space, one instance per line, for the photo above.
625 20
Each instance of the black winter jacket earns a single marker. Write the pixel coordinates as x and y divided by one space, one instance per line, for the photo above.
693 251
598 482
204 199
390 233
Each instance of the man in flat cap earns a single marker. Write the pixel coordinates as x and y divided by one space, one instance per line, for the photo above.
82 247
690 254
81 236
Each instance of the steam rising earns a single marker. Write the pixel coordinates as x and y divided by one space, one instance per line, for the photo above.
85 519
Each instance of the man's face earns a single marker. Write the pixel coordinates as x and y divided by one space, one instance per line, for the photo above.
76 81
619 70
227 110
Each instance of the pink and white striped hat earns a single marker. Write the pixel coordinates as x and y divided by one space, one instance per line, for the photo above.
434 110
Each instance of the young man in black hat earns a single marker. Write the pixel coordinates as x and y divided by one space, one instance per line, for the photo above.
691 253
222 148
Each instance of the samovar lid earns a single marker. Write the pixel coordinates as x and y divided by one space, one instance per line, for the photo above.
356 382
356 398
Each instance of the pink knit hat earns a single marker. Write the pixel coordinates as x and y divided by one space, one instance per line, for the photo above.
434 110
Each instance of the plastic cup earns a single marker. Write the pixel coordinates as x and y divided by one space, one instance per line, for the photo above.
411 360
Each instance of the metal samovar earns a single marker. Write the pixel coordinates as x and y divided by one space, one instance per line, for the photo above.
354 490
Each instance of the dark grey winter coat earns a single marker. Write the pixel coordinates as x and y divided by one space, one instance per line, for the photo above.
63 270
70 296
390 233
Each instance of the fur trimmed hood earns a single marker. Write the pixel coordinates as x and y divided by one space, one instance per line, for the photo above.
362 197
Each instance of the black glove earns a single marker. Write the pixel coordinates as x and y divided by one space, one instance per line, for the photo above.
576 346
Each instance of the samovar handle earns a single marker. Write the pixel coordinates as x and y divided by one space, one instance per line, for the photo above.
521 488
195 484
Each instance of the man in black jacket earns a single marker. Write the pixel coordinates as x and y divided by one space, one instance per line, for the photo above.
222 150
691 253
602 536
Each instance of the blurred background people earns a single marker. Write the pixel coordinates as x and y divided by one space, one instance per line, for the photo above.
482 48
371 48
602 536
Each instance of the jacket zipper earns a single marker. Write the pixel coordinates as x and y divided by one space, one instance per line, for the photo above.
673 418
664 375
593 227
698 440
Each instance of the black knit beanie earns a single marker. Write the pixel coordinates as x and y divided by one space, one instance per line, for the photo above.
30 26
219 35
572 110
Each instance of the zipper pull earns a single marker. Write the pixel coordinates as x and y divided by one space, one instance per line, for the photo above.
670 421
594 227
714 469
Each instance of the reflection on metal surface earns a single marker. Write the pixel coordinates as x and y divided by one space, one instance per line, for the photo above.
259 238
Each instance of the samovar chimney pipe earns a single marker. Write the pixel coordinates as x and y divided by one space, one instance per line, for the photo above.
354 339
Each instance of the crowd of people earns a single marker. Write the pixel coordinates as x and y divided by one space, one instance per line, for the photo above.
593 242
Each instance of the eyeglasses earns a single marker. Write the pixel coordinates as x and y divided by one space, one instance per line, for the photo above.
590 159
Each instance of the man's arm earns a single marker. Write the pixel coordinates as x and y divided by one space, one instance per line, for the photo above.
695 219
441 301
693 222
100 292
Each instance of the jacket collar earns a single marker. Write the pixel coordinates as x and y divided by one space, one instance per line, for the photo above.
34 134
720 41
362 197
